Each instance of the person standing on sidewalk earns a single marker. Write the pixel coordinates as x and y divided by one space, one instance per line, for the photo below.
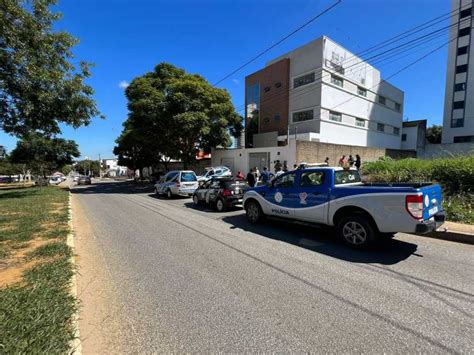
251 178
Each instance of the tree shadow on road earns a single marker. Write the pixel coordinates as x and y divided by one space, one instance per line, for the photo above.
119 187
321 240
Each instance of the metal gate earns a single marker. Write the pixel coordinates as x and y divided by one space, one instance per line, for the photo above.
259 160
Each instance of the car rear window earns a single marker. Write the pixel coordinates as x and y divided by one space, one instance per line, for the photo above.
346 177
188 177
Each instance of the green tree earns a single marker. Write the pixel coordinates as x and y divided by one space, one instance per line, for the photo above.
42 155
433 134
88 167
40 87
173 113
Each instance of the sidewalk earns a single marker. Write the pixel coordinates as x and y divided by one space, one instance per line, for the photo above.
456 232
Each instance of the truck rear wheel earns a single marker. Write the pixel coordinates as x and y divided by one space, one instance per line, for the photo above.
253 211
356 231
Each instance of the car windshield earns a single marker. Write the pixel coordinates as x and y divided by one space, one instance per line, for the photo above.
346 177
188 176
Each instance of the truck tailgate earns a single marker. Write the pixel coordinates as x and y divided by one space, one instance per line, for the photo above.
432 200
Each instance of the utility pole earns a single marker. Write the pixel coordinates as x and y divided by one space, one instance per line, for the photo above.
100 168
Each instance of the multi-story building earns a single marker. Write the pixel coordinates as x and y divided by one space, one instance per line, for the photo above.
322 92
458 123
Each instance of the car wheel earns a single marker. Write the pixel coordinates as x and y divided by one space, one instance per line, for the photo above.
195 200
356 231
220 205
169 194
254 212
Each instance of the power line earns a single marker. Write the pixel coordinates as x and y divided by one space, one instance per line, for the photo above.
280 41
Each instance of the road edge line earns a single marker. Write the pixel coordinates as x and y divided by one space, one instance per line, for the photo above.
75 344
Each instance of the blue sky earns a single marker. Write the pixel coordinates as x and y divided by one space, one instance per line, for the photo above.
125 39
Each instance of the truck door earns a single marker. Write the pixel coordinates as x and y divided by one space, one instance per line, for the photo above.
281 196
313 194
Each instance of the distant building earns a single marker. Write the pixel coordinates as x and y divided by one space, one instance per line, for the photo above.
458 123
112 168
322 92
414 135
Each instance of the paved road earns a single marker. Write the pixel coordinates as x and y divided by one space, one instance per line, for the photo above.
198 281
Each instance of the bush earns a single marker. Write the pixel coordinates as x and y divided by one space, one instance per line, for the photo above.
455 175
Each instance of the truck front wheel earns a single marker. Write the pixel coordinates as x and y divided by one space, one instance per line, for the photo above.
356 231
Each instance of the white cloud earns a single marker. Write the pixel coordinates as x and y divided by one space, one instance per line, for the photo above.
123 84
235 81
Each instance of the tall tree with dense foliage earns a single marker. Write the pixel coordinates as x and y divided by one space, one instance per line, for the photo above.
43 155
40 87
433 134
173 113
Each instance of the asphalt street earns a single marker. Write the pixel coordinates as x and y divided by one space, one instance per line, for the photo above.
194 280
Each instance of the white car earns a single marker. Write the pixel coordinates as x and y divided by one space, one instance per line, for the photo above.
177 183
217 171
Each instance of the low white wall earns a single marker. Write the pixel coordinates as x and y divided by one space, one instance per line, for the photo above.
445 150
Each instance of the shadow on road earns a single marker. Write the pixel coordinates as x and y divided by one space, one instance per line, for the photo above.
116 187
321 240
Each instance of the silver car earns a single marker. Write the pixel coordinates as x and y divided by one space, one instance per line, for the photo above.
177 183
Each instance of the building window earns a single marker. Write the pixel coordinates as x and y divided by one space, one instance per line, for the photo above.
458 104
464 31
396 131
460 87
303 80
462 50
404 137
361 91
382 100
398 106
457 122
266 88
303 116
276 118
337 81
465 13
461 68
278 85
463 139
360 122
380 127
266 120
335 116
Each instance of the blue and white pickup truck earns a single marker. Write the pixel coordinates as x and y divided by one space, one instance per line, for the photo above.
360 212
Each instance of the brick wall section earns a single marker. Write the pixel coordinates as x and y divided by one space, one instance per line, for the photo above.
316 152
275 101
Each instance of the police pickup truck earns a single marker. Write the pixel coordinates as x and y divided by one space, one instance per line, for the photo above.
360 212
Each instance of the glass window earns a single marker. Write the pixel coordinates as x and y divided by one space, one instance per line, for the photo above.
463 139
252 106
404 137
278 85
312 178
458 122
396 130
380 127
335 116
382 100
458 104
462 50
171 176
188 176
461 68
215 184
267 88
346 177
398 106
286 180
360 122
303 116
460 87
361 91
465 13
464 31
303 80
337 81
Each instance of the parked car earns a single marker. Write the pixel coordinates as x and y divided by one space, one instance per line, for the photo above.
220 193
214 172
177 182
55 180
84 180
360 212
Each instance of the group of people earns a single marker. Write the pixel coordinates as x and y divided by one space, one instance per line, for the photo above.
350 161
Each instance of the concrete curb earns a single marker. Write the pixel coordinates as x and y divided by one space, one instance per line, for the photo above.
76 345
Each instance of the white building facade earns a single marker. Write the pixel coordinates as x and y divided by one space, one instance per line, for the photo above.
458 122
336 97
